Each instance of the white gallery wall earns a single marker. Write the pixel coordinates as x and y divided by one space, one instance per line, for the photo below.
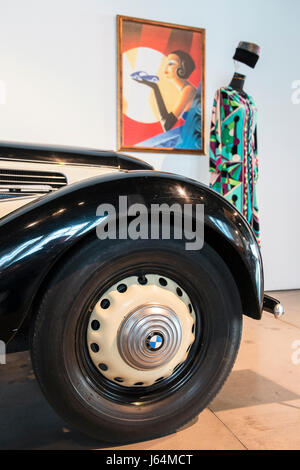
58 86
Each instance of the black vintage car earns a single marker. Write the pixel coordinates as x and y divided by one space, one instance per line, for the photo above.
129 339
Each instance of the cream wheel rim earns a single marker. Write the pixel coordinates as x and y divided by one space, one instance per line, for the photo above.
141 330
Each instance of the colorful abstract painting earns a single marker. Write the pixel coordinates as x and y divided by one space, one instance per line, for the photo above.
161 83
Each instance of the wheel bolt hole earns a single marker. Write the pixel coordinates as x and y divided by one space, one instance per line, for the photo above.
179 292
162 282
122 288
193 328
190 308
103 366
94 347
105 303
142 280
119 379
139 383
95 325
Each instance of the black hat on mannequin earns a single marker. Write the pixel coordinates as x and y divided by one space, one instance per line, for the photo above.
248 53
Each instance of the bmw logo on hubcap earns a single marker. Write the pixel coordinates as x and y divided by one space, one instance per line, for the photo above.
154 341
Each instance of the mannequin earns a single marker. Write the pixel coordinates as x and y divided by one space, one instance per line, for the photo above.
239 76
247 53
237 82
233 142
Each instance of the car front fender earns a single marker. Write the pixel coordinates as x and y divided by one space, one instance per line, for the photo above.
34 238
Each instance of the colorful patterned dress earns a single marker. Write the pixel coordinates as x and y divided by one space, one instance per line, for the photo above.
233 151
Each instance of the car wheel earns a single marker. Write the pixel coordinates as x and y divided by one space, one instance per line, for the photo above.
134 338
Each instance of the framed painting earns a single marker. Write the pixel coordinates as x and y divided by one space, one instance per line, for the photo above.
161 87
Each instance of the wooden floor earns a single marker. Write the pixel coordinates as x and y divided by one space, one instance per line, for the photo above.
258 408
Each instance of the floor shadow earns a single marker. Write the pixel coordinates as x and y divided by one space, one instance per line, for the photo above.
26 419
28 422
246 388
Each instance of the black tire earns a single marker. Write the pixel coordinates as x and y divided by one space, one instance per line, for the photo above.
107 411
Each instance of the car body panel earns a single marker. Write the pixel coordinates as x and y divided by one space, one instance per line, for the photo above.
28 172
34 238
70 155
28 192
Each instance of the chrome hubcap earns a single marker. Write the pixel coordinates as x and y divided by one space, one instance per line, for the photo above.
141 330
149 337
